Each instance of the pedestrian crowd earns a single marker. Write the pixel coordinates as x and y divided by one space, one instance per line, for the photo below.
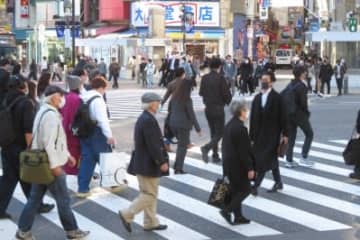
73 129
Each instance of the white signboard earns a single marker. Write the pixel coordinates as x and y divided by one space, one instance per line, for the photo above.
206 14
284 3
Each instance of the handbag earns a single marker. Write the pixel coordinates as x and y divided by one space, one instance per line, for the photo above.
35 165
351 153
220 193
282 149
113 169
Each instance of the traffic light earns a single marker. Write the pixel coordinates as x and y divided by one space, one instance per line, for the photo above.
353 22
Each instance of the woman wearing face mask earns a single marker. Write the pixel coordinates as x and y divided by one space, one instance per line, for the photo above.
100 141
246 81
238 164
268 128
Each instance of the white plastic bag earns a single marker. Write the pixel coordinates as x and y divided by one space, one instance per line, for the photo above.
113 169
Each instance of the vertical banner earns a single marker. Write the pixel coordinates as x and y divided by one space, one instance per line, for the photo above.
24 8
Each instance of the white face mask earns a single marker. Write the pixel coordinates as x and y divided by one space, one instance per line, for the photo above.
62 103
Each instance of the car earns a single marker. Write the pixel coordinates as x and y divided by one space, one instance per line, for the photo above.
284 57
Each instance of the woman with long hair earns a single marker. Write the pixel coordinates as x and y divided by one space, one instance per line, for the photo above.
182 120
43 83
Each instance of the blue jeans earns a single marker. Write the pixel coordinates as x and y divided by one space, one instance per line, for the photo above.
59 191
91 148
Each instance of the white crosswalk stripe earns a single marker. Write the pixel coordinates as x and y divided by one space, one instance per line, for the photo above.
188 198
126 104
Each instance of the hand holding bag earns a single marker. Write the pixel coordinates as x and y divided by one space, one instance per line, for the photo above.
34 164
351 153
220 193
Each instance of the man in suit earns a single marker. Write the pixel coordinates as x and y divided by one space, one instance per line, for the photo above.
268 128
216 94
326 72
148 162
356 173
174 63
230 72
301 119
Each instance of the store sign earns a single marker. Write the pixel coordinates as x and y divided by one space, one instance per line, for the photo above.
24 8
264 13
206 14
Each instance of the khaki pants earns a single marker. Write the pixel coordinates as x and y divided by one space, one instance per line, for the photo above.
146 201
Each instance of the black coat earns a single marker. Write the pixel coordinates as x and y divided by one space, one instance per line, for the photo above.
358 123
266 126
326 72
237 155
301 100
149 153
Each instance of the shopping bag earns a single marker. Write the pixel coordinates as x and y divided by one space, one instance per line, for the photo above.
220 193
351 153
113 169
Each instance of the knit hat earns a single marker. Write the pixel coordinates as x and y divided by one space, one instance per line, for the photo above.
74 82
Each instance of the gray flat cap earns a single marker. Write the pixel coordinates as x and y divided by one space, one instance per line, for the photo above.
150 97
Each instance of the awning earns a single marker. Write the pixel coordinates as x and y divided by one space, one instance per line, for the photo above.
333 36
109 29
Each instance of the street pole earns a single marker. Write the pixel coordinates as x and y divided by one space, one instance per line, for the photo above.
184 28
73 32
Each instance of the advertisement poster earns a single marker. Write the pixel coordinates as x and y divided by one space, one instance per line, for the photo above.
240 36
24 8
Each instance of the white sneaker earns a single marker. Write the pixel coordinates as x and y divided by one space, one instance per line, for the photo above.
20 235
291 164
306 163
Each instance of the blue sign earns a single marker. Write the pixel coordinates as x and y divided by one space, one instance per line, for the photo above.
206 13
314 26
169 13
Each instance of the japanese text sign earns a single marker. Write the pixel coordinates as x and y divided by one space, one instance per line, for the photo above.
206 14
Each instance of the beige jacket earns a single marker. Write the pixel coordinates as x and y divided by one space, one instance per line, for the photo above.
50 136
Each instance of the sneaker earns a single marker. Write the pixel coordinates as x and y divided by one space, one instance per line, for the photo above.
20 235
77 234
306 163
83 195
291 164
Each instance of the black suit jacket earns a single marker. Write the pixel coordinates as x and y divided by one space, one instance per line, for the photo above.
149 153
301 100
266 127
358 123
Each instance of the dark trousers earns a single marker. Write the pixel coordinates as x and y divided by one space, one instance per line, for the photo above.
183 137
247 85
260 177
59 191
216 119
327 82
339 83
308 80
304 124
33 75
56 75
115 77
357 168
11 168
235 204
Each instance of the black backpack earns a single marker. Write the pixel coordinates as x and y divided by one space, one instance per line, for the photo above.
83 126
7 129
288 95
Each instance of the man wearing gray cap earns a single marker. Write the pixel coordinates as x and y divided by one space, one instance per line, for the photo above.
149 162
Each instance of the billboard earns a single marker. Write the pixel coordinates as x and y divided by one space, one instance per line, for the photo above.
205 14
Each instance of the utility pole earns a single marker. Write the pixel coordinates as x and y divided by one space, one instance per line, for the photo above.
73 32
184 26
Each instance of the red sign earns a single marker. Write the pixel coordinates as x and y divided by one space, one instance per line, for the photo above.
24 8
114 10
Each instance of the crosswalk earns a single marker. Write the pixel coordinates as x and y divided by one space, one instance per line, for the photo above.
319 199
125 104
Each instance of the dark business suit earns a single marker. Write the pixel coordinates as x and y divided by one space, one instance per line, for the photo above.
216 94
237 162
267 124
300 119
182 120
357 164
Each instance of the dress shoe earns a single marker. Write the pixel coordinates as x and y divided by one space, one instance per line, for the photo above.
276 187
254 191
5 216
241 220
216 159
45 208
180 172
205 154
226 215
355 176
126 225
158 228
